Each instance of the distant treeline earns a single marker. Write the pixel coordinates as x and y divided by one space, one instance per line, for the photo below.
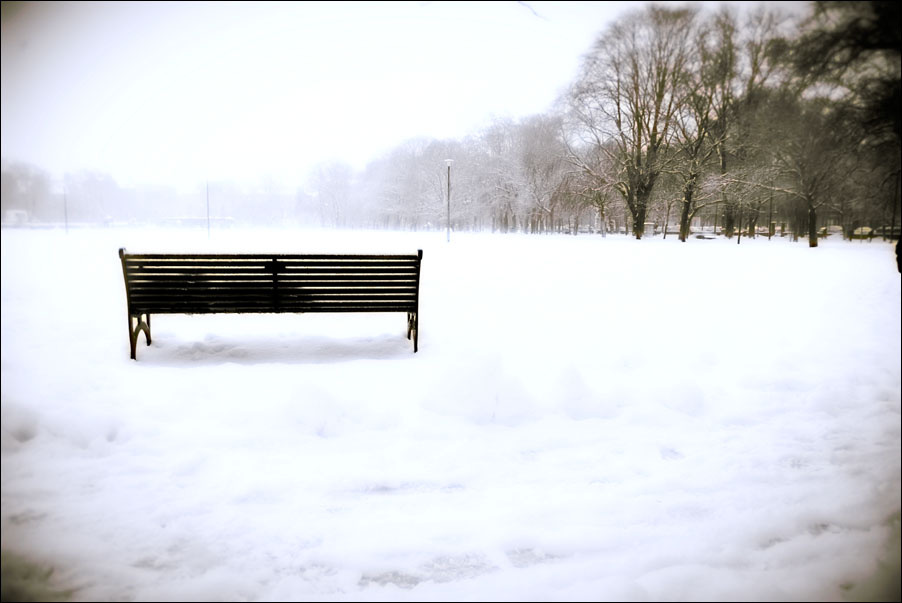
679 119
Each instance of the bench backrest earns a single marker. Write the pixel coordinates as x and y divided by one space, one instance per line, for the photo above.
210 283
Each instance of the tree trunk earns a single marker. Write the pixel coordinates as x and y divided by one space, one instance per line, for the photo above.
667 217
686 208
729 217
639 221
812 224
684 220
640 210
799 220
752 226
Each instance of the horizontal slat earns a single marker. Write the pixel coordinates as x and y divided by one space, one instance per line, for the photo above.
238 272
185 280
411 270
346 291
268 266
259 284
228 257
338 278
349 307
192 297
312 286
196 284
401 299
202 308
271 295
151 270
314 279
206 303
296 265
251 309
170 303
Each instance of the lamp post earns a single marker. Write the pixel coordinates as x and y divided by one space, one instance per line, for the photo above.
66 207
208 209
448 162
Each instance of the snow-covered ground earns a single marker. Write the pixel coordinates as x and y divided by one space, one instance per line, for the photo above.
586 419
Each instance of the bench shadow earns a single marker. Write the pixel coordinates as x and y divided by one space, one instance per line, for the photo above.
170 350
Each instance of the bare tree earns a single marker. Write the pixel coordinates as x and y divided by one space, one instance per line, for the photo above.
332 185
699 131
851 54
628 93
854 50
500 190
807 150
25 188
540 165
746 60
591 181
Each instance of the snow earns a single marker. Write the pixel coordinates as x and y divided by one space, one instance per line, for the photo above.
587 419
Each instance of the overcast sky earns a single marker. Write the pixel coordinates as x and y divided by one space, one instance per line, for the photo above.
183 92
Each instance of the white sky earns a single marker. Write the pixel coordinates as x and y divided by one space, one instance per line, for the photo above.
182 92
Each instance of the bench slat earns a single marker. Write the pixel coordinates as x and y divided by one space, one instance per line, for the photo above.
230 257
266 259
315 279
275 296
214 308
348 307
271 269
314 285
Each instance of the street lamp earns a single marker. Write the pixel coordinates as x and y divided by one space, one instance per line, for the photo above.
66 207
448 162
208 209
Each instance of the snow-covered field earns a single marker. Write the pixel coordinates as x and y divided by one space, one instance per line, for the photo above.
586 419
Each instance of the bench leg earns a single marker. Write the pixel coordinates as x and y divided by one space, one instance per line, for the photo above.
414 324
142 325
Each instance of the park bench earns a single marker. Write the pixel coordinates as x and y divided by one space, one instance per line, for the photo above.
268 283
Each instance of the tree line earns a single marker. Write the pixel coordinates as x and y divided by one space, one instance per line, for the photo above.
678 119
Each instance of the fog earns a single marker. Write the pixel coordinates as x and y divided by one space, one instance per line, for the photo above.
178 93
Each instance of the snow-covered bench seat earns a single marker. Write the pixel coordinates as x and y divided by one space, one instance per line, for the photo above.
268 283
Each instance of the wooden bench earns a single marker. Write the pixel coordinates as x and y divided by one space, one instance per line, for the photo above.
268 283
